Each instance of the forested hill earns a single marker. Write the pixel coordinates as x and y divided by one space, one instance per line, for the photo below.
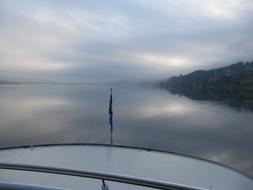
233 81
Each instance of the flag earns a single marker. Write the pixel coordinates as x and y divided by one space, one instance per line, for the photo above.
110 110
110 105
111 117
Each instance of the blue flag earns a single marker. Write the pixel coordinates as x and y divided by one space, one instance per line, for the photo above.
111 116
110 105
110 110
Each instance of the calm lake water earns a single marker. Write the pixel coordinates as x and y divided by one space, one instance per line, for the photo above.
143 116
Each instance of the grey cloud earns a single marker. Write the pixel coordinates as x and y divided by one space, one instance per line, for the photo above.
103 41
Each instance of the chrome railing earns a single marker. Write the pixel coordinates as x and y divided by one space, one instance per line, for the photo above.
102 176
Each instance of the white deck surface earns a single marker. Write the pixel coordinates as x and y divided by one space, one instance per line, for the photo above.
125 161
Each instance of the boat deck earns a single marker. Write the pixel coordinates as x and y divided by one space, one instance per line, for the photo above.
117 161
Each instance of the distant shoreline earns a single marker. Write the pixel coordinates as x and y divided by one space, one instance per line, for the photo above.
231 82
45 83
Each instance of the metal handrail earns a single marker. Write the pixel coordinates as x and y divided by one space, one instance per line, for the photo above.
100 175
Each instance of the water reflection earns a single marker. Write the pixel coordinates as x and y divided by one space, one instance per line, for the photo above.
173 108
143 116
233 102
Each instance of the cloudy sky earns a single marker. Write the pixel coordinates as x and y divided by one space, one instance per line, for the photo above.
110 40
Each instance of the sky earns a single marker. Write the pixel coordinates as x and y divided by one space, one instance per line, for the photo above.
115 40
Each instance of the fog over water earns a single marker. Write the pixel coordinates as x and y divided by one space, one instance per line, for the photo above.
143 116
